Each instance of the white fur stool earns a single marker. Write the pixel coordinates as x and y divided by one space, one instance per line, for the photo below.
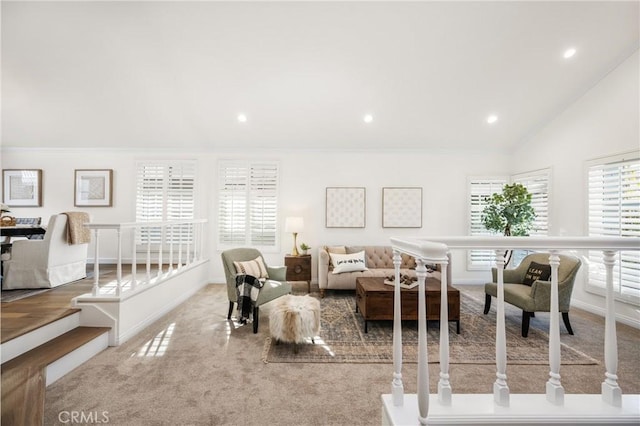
294 318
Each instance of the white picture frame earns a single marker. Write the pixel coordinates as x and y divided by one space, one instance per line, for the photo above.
93 188
345 207
402 207
22 188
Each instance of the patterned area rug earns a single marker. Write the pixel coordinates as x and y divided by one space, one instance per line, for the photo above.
342 338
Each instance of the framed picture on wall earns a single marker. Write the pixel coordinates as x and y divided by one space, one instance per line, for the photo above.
345 207
93 188
22 188
402 207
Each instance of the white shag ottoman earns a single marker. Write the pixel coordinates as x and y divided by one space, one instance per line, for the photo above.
294 318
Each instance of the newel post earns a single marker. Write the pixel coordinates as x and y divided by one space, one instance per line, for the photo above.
611 392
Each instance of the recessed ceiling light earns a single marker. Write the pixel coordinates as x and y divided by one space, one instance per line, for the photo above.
242 118
492 119
569 53
368 118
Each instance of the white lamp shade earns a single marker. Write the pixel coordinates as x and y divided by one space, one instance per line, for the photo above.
294 224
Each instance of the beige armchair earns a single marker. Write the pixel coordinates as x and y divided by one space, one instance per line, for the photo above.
46 263
273 287
537 297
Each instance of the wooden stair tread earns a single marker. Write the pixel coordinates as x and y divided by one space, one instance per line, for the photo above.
22 324
54 349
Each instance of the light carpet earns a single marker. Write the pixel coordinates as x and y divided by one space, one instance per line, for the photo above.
342 339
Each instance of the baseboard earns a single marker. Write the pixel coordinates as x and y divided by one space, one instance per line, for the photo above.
631 322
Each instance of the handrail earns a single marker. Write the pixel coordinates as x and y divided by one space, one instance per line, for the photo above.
188 252
435 249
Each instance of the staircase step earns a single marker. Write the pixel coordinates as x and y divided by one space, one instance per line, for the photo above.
24 378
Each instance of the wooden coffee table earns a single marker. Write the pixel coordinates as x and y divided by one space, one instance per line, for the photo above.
374 300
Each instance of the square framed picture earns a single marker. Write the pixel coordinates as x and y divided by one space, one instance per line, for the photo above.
345 207
93 188
22 188
402 207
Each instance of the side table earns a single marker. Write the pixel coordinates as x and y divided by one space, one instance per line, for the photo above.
299 269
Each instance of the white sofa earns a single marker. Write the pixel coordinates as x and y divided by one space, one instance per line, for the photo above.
379 261
46 263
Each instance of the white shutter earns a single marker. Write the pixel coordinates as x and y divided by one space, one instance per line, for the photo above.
165 190
480 189
614 210
248 204
538 184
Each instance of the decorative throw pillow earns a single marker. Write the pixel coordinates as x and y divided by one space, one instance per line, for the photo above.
334 249
536 272
255 267
348 262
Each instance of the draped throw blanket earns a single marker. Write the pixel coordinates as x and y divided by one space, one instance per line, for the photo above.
77 233
247 288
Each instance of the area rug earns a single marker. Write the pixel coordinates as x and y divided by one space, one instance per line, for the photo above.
13 295
342 339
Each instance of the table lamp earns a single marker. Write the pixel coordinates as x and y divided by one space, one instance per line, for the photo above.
294 225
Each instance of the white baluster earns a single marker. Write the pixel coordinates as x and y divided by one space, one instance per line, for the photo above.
397 388
444 386
160 252
181 236
201 239
170 248
195 243
119 264
555 391
187 260
148 255
96 265
611 392
500 387
134 260
423 356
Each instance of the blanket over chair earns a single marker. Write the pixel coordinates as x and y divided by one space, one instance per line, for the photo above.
247 288
77 233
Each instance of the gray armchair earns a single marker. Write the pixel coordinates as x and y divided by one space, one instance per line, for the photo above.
537 297
273 288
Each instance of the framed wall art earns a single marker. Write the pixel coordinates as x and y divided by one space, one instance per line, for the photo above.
345 207
93 188
22 188
402 207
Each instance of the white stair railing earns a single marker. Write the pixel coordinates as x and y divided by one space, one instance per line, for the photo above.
434 250
156 239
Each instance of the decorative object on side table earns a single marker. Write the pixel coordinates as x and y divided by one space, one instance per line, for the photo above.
304 247
6 220
299 269
294 225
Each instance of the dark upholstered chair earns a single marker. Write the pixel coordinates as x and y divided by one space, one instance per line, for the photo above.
273 288
537 297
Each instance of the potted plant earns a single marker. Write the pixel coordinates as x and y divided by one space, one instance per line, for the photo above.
509 213
304 247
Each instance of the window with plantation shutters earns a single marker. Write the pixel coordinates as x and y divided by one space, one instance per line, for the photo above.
537 183
614 210
248 204
479 189
165 191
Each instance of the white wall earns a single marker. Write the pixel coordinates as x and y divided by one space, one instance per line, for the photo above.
304 177
605 121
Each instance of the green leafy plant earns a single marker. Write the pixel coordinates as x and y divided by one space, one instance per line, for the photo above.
509 213
303 246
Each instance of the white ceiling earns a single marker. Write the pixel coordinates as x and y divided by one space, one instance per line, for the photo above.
176 74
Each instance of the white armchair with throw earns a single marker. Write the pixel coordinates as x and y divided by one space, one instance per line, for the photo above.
52 261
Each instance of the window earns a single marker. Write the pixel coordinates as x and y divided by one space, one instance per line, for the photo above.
614 210
537 183
479 189
165 191
248 204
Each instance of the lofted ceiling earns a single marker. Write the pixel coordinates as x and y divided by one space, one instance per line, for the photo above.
178 74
